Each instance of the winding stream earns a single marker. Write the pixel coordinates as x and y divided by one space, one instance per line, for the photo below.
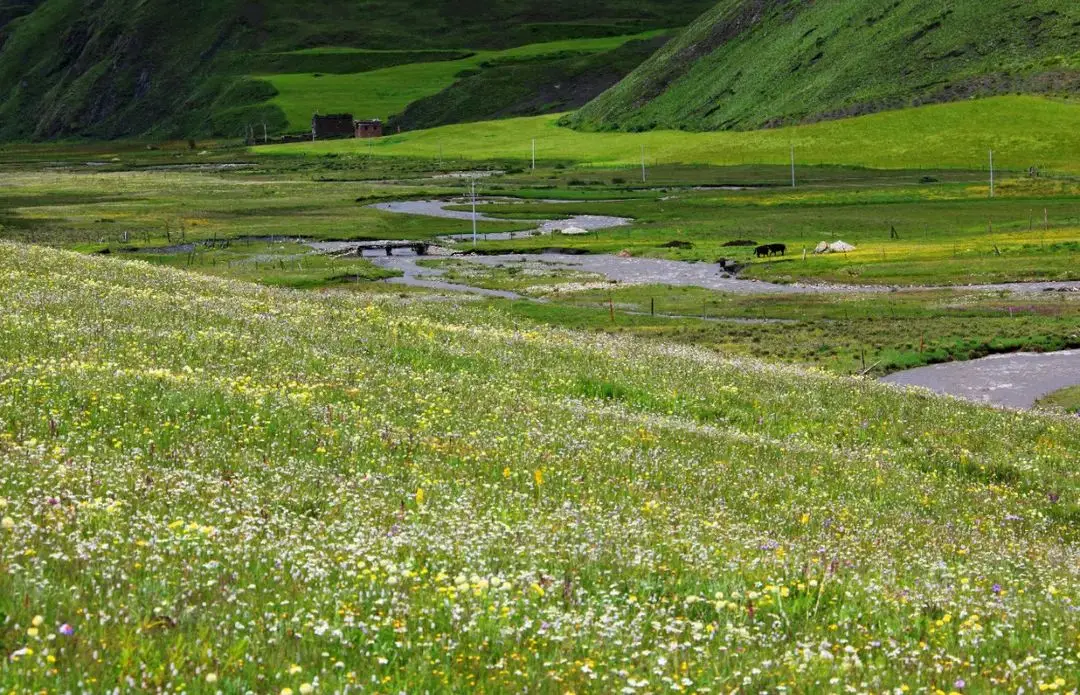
631 270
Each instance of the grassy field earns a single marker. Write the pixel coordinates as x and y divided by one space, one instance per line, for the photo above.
1022 131
181 73
385 92
135 209
545 509
277 264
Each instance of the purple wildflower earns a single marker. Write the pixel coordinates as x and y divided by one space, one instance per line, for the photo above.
66 630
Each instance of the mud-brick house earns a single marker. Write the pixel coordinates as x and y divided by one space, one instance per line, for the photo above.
369 129
340 125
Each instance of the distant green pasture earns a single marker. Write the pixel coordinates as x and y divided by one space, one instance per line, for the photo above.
1023 132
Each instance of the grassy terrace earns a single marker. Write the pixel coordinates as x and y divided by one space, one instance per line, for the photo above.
229 489
1023 131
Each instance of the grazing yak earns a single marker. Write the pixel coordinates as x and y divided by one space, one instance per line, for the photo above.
771 250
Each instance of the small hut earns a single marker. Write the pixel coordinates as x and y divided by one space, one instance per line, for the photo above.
338 125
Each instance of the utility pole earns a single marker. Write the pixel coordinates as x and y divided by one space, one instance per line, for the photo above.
991 173
793 166
474 212
644 177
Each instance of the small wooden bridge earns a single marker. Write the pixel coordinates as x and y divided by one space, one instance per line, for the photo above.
420 248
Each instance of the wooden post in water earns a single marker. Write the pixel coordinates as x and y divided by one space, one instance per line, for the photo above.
473 190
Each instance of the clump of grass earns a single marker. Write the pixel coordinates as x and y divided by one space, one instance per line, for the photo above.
1067 399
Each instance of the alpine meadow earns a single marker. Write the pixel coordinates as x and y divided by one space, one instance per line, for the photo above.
540 347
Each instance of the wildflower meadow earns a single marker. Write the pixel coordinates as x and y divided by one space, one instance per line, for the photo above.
213 486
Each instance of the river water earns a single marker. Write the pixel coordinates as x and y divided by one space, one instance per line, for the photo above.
1015 380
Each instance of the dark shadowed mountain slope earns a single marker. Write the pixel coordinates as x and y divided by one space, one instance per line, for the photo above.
111 68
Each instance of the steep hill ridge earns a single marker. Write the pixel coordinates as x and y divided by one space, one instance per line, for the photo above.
757 63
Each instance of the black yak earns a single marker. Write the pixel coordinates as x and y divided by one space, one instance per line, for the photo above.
771 250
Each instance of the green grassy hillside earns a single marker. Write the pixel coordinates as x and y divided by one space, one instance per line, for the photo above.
237 488
510 86
13 9
385 92
117 68
751 63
